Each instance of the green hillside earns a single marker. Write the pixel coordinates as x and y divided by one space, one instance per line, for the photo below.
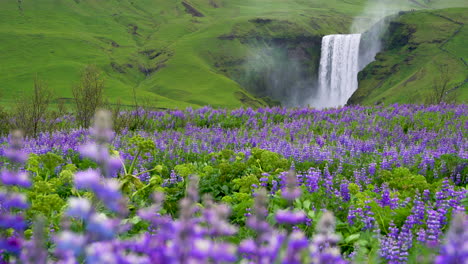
172 53
418 42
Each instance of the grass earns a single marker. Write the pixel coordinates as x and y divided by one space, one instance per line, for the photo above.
56 39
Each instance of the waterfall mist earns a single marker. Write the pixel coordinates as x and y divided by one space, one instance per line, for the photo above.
281 73
372 23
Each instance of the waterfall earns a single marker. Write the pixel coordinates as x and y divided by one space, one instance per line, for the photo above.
338 70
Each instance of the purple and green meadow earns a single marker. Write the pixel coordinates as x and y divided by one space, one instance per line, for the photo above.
383 184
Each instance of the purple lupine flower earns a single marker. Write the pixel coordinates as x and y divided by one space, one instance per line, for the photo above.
368 217
454 249
109 193
353 214
101 226
12 244
20 179
426 195
433 228
15 151
248 212
312 179
103 252
264 180
296 243
418 210
69 241
389 247
34 250
257 220
88 179
421 235
173 179
405 242
13 200
15 222
291 191
185 228
201 248
79 208
265 247
324 244
344 191
394 202
385 200
247 247
372 168
289 217
223 252
215 216
99 149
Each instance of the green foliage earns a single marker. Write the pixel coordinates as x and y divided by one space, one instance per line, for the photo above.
48 195
229 171
44 164
267 161
465 200
455 167
244 184
367 245
184 170
239 203
141 145
130 184
353 188
141 195
384 215
51 188
216 187
173 195
406 183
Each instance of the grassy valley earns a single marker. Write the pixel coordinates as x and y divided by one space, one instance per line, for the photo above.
173 54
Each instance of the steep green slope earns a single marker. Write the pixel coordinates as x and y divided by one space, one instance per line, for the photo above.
173 53
417 44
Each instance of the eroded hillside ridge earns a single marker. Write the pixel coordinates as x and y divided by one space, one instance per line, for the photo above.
416 45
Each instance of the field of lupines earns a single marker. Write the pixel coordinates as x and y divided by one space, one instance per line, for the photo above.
350 185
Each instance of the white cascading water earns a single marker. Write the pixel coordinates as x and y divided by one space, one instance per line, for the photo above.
338 70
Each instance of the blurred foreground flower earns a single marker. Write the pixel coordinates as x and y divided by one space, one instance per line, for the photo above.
10 200
455 247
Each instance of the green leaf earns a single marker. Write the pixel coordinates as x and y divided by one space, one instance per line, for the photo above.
135 220
362 243
352 238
